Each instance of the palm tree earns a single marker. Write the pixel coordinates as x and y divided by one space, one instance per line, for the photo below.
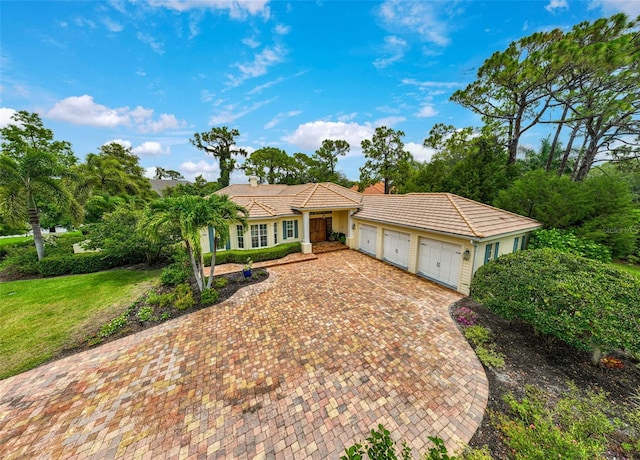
32 169
189 214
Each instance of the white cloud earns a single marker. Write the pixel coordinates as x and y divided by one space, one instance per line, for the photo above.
280 117
150 172
156 46
258 89
237 9
151 148
190 170
429 21
394 48
112 25
430 84
419 152
82 110
347 116
267 58
206 96
122 142
630 7
555 5
427 110
389 122
84 22
251 43
230 113
309 136
281 29
5 116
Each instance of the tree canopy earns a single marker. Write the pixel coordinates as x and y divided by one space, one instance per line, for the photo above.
386 159
219 143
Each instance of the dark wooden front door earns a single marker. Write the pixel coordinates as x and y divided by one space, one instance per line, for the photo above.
317 230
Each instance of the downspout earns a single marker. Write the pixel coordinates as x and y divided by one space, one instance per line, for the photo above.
473 261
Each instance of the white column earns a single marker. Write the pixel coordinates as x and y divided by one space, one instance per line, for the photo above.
306 244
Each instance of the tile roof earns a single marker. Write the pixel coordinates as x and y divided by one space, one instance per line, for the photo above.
375 189
443 213
437 212
326 195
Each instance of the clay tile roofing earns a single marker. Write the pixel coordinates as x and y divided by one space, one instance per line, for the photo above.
443 213
326 195
375 189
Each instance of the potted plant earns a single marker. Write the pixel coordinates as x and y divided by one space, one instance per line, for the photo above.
246 270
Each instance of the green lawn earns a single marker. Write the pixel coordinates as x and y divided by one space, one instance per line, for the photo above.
39 318
635 269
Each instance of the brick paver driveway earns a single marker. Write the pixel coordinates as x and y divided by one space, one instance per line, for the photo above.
295 367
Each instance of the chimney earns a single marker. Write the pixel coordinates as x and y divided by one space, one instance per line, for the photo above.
253 180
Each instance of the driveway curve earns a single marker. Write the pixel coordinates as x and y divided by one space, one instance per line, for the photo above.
298 366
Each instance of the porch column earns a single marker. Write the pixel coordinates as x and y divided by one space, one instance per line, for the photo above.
350 231
306 243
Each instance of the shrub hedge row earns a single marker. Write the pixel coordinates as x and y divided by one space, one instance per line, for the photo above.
240 256
585 303
88 262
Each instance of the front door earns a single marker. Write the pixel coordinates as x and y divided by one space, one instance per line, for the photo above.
317 230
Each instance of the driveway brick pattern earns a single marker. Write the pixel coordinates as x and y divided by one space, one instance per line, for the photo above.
298 366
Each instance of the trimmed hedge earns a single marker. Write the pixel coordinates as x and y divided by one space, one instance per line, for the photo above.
240 256
588 304
567 241
88 262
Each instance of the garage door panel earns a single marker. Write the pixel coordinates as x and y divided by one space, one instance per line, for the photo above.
367 239
396 248
439 261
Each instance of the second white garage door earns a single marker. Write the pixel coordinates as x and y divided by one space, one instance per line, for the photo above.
396 248
440 261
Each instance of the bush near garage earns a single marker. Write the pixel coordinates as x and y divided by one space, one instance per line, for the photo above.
587 304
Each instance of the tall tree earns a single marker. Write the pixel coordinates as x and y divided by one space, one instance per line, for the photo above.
219 143
32 168
268 164
512 86
189 214
386 159
327 155
162 173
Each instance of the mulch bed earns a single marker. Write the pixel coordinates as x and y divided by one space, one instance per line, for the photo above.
547 365
236 281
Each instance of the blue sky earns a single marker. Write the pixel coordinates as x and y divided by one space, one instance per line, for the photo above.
287 74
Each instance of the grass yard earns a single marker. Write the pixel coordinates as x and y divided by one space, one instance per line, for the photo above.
39 318
635 269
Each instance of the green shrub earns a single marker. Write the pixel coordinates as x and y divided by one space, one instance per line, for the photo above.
566 241
585 303
478 335
239 256
178 271
114 325
489 357
380 446
20 261
208 297
86 262
220 282
575 429
183 297
145 313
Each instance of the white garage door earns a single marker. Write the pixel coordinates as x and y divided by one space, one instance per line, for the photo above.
368 239
396 248
440 261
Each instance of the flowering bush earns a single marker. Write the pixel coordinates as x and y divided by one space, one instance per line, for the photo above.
465 316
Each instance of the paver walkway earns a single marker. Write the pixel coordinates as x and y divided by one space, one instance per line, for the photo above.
298 366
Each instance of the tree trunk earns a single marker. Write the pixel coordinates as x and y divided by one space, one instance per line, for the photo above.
194 267
34 221
556 137
567 151
213 266
587 161
578 160
596 354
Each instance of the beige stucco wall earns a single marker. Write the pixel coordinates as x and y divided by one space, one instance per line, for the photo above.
467 267
340 222
204 233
